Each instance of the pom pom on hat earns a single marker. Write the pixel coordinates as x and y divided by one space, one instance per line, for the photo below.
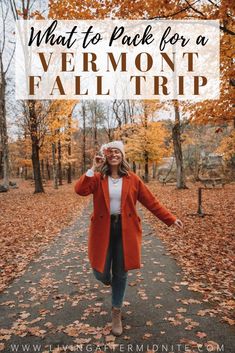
113 144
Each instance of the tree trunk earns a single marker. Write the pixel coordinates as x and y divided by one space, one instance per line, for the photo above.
43 169
59 163
176 135
154 170
69 170
84 139
146 154
1 162
197 164
95 128
3 127
25 173
48 170
146 167
35 147
36 168
134 167
54 166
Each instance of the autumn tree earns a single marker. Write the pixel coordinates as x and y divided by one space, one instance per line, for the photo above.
227 149
35 117
146 145
33 110
6 56
58 137
206 111
95 117
144 138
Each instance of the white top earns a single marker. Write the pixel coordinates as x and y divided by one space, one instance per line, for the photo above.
115 192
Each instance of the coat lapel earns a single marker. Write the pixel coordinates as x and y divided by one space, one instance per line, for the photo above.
105 187
125 188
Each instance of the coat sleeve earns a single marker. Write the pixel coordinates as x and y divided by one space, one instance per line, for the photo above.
86 185
147 199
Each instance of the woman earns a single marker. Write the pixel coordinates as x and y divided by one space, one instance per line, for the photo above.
115 232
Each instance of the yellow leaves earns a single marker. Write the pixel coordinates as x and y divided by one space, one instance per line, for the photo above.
59 116
25 162
94 9
37 15
227 146
230 53
140 139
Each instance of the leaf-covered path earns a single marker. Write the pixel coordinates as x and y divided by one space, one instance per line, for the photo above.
57 305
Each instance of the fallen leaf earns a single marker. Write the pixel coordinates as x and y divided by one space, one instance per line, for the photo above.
201 334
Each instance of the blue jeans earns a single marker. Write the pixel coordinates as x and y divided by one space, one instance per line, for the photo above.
114 259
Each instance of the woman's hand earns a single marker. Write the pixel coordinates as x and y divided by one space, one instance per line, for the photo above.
97 161
178 224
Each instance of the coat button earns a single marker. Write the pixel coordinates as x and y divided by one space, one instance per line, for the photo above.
129 214
101 216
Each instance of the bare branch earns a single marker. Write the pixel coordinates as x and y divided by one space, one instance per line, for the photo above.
14 9
27 7
213 3
6 13
31 5
173 14
190 6
226 30
9 63
193 8
3 29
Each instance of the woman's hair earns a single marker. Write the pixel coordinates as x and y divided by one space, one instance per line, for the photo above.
123 168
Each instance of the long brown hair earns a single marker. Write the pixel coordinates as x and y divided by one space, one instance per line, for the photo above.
123 168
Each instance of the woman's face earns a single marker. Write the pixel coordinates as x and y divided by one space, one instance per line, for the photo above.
114 156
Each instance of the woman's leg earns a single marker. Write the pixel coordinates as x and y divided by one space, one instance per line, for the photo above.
119 275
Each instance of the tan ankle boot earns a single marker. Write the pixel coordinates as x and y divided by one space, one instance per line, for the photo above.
116 321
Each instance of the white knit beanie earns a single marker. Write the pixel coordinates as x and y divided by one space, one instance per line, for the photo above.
113 144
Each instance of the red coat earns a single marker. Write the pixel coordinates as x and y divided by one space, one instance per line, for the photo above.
133 189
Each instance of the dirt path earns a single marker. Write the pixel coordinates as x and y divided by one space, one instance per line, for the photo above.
57 305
